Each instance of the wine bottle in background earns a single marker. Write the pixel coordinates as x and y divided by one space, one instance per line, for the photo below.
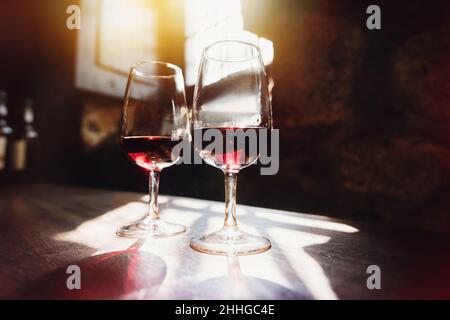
23 146
5 134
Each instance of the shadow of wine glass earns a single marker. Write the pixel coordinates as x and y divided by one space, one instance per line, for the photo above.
237 286
112 275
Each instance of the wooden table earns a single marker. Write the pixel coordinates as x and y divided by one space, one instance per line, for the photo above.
44 229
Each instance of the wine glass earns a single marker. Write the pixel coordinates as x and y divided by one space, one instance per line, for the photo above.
231 98
155 120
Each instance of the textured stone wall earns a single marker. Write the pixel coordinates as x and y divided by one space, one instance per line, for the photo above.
364 115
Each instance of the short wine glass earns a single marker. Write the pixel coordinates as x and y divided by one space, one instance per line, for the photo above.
231 104
155 120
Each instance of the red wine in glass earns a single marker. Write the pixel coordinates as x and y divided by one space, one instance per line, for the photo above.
152 153
237 153
155 119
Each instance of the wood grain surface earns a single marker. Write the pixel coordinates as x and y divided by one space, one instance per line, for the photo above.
46 228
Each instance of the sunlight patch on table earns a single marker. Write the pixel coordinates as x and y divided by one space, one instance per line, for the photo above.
307 222
190 203
99 233
307 269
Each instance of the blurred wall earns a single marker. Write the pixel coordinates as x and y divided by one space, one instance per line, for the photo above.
37 60
363 114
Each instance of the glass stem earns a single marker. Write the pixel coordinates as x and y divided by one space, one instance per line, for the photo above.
230 200
153 186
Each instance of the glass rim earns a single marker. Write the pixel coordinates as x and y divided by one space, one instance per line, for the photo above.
253 56
176 69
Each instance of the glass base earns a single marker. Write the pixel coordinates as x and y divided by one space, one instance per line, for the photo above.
230 242
150 228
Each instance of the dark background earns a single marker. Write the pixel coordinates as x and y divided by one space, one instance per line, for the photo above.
363 115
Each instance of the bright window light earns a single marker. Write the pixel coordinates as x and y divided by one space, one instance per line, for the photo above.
207 21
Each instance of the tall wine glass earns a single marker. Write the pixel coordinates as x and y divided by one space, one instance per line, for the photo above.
231 96
155 120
